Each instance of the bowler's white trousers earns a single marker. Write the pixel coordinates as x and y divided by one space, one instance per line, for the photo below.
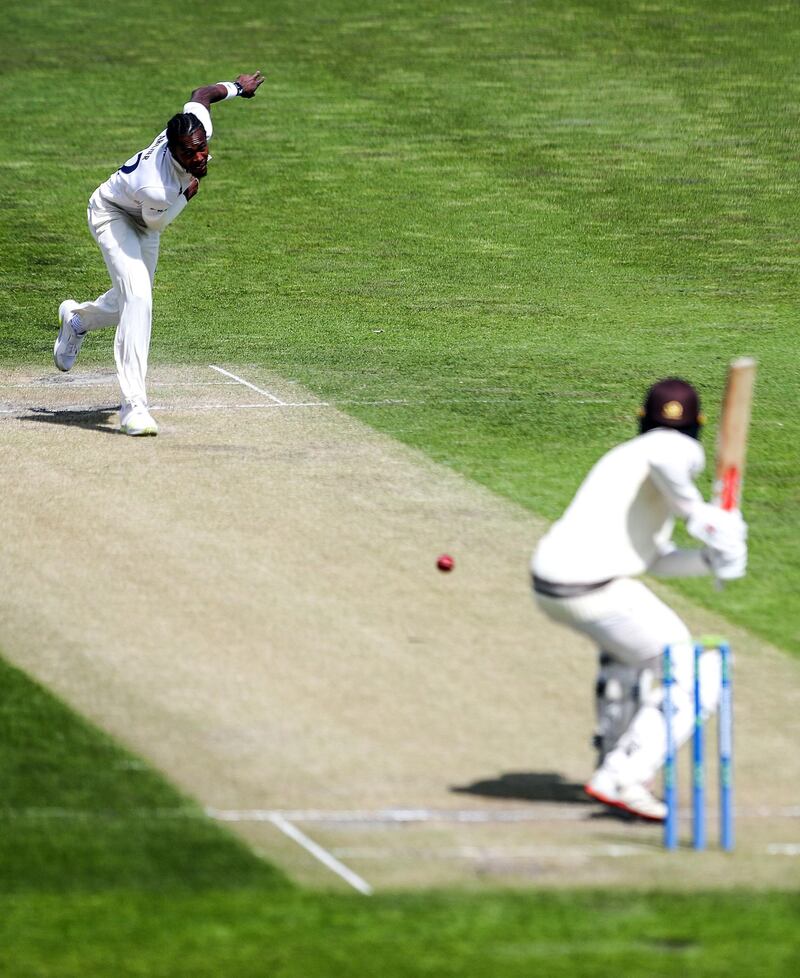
632 625
131 255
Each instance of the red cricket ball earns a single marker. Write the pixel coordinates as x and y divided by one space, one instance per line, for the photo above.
445 563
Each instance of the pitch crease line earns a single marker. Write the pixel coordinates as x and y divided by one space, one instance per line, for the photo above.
210 406
325 857
247 383
552 813
107 382
495 852
393 816
783 849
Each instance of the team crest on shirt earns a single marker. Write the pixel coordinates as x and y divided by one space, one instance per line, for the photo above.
673 410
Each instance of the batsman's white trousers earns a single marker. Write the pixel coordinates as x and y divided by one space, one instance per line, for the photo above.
131 255
631 624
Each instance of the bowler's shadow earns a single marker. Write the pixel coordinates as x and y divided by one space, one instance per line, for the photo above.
527 786
96 419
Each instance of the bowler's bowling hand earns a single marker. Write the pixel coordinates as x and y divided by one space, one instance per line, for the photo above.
250 83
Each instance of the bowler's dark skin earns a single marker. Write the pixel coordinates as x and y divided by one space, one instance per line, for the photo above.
191 151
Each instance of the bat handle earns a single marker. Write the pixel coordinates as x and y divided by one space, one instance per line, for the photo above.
728 488
727 497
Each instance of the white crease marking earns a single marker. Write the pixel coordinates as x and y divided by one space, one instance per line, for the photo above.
325 857
247 383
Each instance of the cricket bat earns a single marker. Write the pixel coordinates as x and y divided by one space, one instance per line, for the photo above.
733 428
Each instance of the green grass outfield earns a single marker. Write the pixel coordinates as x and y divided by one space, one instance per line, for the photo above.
512 217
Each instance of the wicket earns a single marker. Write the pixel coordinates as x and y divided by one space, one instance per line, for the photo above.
725 748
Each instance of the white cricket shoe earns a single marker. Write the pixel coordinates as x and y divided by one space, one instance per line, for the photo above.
135 419
69 340
634 799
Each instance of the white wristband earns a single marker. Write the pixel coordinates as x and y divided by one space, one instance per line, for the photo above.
231 88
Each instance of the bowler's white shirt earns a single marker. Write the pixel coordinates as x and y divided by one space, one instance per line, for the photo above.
152 180
623 514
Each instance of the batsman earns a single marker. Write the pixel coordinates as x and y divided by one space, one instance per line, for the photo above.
619 526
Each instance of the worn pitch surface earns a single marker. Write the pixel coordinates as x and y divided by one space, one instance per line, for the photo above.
250 601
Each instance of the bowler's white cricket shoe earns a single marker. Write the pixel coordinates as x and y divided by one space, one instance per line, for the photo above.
69 339
634 799
135 419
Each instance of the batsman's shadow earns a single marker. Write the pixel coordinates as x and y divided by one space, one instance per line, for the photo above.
527 786
544 786
96 419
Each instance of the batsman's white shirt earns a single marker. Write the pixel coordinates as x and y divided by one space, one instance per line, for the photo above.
150 182
622 516
618 526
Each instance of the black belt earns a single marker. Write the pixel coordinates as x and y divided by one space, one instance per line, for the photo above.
553 590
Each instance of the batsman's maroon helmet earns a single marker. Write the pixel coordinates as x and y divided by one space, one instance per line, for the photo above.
672 403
